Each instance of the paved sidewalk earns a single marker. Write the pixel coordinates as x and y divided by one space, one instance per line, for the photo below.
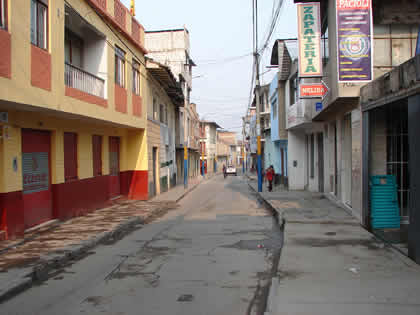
43 251
331 265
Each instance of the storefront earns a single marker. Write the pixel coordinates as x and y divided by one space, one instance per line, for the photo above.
391 152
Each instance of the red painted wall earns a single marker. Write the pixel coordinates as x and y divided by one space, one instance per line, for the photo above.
5 54
40 68
137 103
11 209
134 184
78 197
85 97
120 99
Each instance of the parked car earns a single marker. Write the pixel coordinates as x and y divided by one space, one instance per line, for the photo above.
231 170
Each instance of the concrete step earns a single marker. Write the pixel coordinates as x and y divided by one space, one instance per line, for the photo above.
41 226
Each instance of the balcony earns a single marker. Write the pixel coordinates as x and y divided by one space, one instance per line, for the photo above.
84 81
86 55
299 114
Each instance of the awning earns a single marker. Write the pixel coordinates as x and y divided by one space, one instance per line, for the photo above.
340 106
166 78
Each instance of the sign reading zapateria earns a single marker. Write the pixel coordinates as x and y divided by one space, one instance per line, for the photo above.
309 35
354 29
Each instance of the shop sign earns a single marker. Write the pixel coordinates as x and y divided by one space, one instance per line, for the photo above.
35 171
313 90
309 35
354 40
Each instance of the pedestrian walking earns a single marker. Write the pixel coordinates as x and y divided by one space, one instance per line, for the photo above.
269 173
224 170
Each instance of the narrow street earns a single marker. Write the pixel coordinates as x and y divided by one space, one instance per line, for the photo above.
214 254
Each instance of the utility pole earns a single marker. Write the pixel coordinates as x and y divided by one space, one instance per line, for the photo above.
202 147
257 92
186 133
243 145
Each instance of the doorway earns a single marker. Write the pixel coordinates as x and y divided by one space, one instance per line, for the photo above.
346 160
36 177
114 167
320 141
155 181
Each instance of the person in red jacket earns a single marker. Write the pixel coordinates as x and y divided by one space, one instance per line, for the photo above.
269 174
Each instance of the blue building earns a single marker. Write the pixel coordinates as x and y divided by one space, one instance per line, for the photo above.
276 142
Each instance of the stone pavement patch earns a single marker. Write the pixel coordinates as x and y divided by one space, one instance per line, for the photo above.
79 230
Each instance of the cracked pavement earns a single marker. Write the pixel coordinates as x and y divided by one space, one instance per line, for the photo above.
214 254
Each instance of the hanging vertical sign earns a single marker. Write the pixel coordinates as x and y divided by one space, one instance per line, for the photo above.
309 35
354 40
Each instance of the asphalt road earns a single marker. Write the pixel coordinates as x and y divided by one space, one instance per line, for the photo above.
214 254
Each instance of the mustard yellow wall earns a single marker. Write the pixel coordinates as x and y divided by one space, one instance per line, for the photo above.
133 148
11 148
19 88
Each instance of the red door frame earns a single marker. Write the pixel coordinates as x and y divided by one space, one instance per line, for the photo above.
37 206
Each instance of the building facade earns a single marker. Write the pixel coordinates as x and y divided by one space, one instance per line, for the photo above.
172 49
391 111
209 146
73 121
164 96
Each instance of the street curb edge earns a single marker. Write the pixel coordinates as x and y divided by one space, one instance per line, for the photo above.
53 262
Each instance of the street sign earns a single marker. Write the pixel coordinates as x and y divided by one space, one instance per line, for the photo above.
313 90
318 106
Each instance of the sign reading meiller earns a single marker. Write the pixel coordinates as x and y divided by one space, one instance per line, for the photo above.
309 35
354 41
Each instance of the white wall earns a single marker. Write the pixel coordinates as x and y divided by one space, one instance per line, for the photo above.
95 59
296 152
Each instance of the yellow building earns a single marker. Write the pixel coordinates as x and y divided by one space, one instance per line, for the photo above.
73 126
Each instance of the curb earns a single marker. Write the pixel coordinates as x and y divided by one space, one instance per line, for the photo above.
55 261
187 192
194 187
277 214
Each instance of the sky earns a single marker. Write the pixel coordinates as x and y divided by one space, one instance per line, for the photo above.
221 46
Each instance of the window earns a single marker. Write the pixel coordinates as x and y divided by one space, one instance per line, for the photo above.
39 23
119 66
70 156
3 14
274 107
155 109
293 90
73 49
97 155
312 156
136 77
162 113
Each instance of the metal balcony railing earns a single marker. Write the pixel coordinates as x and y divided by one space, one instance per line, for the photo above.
82 80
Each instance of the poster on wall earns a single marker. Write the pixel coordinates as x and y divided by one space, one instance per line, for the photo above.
35 171
309 36
354 40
